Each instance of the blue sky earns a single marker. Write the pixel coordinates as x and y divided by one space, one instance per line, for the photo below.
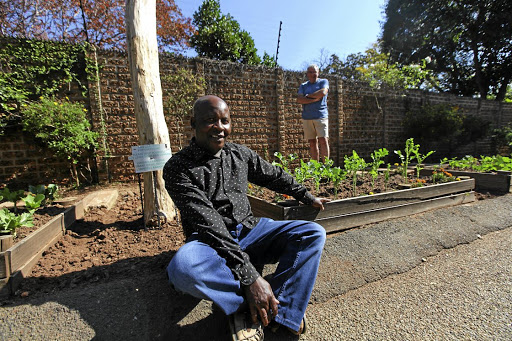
337 26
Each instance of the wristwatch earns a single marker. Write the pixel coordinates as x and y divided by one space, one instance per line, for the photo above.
306 95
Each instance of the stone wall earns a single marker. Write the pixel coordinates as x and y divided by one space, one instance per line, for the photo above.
265 116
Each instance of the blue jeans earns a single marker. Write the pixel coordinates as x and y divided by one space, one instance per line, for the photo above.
297 245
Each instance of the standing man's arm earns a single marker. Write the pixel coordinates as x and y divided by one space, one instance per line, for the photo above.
319 93
305 99
313 97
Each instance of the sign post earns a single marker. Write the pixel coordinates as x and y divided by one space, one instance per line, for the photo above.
150 158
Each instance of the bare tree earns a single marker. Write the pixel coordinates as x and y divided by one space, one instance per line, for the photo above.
147 91
322 61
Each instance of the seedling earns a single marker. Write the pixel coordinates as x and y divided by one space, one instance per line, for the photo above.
353 164
408 155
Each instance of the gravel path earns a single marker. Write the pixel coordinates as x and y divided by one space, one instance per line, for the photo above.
464 293
441 275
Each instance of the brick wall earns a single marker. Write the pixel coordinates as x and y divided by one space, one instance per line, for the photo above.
265 116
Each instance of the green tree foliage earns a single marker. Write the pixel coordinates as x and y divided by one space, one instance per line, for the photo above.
469 42
268 60
443 127
375 68
219 36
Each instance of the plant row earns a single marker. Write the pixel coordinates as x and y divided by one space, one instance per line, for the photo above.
356 167
482 164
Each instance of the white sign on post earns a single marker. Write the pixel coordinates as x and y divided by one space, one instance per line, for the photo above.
150 157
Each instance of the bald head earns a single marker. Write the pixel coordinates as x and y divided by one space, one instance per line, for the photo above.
207 104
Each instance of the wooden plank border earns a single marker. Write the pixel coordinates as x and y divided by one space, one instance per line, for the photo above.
347 221
341 207
500 181
17 261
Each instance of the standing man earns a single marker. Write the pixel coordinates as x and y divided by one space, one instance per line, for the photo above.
315 118
226 244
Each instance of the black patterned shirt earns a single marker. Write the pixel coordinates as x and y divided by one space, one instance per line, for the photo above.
210 192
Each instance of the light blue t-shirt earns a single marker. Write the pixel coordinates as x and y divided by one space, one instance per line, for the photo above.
317 109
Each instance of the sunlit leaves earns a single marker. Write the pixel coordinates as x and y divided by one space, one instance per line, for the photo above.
469 42
219 36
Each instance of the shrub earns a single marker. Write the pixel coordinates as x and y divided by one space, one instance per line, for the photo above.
32 68
502 139
443 127
61 126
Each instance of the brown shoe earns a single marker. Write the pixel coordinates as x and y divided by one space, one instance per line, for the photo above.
274 326
242 328
302 328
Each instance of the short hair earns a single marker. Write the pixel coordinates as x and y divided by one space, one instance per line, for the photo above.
314 66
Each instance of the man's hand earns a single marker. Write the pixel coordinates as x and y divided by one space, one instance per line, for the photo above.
319 203
261 300
302 99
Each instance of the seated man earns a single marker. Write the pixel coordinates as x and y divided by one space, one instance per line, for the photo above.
225 243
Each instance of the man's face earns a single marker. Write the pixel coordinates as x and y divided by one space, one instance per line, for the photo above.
212 127
312 74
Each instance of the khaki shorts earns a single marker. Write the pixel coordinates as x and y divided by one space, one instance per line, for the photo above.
316 128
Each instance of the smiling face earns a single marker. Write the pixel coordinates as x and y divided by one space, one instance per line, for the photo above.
312 74
211 122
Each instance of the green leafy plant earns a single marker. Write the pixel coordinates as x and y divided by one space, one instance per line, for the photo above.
419 159
377 156
440 175
354 164
219 36
502 162
62 126
409 154
317 172
482 164
34 68
49 192
33 202
12 196
336 175
302 173
38 189
502 138
284 162
10 221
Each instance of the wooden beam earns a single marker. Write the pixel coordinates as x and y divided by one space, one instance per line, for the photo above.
344 222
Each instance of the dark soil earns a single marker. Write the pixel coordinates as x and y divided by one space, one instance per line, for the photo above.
113 243
112 239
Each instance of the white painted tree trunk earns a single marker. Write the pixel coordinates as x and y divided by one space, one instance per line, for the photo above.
142 49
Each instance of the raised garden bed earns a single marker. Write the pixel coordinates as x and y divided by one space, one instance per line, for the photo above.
499 181
17 260
351 212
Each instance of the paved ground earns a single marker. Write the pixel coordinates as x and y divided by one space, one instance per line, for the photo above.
441 275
